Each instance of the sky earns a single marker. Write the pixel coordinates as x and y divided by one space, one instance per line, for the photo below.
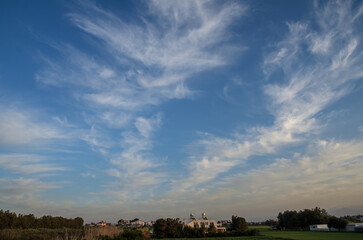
151 109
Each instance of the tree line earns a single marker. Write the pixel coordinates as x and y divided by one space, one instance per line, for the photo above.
269 222
301 220
10 220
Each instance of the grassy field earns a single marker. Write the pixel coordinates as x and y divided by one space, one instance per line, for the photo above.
230 238
309 235
292 235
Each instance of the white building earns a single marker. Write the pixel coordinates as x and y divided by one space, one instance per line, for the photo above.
319 227
351 227
204 221
138 223
101 224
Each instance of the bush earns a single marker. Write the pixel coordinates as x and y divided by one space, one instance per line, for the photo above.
132 235
128 234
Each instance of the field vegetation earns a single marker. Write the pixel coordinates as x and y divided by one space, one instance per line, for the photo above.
41 234
94 233
309 235
267 234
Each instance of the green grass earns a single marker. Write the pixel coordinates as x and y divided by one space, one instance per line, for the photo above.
291 235
260 228
268 234
309 235
231 238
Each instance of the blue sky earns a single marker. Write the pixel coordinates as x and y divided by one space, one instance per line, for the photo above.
149 109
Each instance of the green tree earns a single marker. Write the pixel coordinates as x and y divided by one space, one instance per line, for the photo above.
174 228
288 219
169 228
160 227
238 224
29 221
189 232
312 216
9 220
271 222
338 223
78 222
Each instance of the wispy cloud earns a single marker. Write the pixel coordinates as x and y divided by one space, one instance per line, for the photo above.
307 88
15 188
329 169
28 195
177 44
98 140
18 126
28 164
135 167
128 67
140 63
63 121
155 58
146 126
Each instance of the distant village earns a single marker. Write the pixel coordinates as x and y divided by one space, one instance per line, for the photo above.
193 222
222 225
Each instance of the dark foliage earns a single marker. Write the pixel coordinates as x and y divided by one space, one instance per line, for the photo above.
169 228
129 234
354 218
132 235
238 224
338 223
270 222
301 220
9 220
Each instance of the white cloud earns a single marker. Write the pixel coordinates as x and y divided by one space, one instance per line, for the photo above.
143 64
308 88
106 73
63 121
287 51
135 167
147 126
159 57
177 44
27 163
88 174
21 187
116 119
328 170
21 127
98 140
29 196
